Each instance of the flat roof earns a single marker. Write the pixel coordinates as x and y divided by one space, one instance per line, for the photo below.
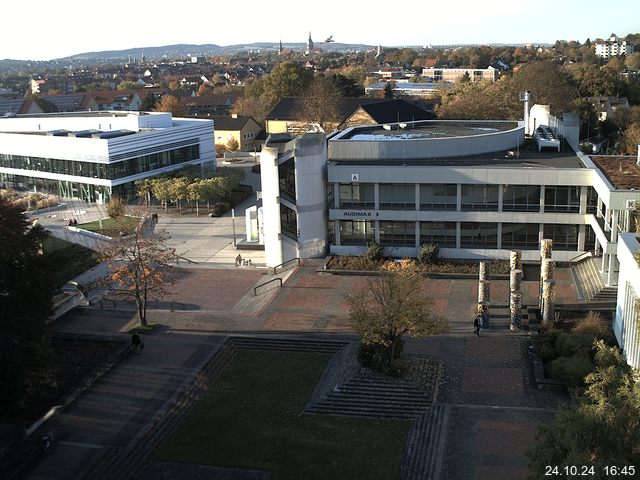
526 156
622 171
427 129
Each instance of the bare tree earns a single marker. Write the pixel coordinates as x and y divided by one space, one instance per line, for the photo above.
140 268
321 104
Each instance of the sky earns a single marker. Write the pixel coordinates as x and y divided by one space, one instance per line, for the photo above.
47 30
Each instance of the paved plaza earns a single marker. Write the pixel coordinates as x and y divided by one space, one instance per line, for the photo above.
486 383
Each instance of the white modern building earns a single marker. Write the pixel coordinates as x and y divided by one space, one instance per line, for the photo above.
614 47
94 155
477 189
625 322
453 75
294 198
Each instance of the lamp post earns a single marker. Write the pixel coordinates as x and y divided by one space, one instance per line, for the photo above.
233 225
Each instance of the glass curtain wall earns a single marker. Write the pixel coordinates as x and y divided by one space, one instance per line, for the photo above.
401 234
435 196
520 235
478 235
356 232
357 195
441 233
397 196
521 198
480 197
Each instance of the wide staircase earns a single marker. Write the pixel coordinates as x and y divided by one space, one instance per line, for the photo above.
589 284
424 451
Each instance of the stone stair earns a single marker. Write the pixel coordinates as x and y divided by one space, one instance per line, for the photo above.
426 442
370 394
124 463
589 283
499 322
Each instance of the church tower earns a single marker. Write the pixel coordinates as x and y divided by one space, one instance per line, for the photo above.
309 45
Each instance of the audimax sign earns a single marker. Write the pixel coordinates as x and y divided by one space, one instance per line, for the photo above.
360 213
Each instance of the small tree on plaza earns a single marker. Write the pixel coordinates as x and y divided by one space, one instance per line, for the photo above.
140 268
391 307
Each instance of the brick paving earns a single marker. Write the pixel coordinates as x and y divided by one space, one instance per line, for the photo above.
494 409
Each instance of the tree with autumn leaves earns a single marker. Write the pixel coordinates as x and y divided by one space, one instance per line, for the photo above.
140 268
393 306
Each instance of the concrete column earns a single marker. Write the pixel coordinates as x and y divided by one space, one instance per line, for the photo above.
484 291
603 264
500 197
376 197
458 197
417 195
336 195
581 237
515 310
484 271
515 280
546 269
458 234
583 200
541 198
612 270
548 307
614 225
515 260
336 232
546 248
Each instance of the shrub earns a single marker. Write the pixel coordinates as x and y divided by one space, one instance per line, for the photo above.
428 253
376 357
568 344
115 207
374 251
593 325
572 370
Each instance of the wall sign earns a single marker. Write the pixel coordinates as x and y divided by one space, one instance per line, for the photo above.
355 177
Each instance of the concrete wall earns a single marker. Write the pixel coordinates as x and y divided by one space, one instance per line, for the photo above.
425 148
311 194
271 206
625 322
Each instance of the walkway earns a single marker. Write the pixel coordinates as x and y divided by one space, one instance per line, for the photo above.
494 411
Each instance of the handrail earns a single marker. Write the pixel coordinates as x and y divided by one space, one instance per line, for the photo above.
275 269
255 289
586 254
180 257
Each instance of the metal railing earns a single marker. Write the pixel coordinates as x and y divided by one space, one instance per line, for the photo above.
255 289
283 265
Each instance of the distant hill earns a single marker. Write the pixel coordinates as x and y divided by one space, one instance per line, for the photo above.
182 50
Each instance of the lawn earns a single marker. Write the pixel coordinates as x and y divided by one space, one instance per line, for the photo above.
112 226
69 260
251 418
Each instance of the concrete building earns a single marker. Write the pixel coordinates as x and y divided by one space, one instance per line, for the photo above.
94 155
453 75
614 47
625 322
477 189
294 197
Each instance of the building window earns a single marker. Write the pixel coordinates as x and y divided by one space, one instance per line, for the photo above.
438 196
288 222
592 200
520 235
287 177
441 233
561 199
565 237
521 198
356 232
397 196
479 235
357 195
480 197
398 234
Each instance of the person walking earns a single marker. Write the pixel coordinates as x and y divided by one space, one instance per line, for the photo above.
137 343
476 325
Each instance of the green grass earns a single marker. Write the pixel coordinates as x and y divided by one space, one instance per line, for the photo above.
251 418
112 225
69 260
